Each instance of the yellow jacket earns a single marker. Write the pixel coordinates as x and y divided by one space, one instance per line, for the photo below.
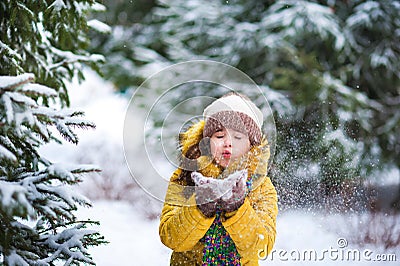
252 227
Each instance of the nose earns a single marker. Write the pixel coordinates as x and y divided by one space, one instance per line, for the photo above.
227 141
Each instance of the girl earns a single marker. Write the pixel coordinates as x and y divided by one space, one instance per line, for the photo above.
220 207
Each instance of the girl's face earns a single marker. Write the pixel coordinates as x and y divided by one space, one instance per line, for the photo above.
228 145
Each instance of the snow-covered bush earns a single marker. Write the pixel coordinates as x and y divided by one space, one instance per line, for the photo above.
377 229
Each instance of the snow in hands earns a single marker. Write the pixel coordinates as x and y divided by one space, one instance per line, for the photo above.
37 220
221 187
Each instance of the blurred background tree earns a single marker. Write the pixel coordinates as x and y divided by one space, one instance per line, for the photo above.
333 64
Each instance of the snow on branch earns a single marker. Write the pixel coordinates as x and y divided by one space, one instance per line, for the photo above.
22 196
65 172
57 5
69 244
295 17
70 58
37 89
10 82
99 26
14 201
347 98
97 7
20 100
6 153
13 55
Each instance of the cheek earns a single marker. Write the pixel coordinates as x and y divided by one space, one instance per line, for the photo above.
213 147
242 148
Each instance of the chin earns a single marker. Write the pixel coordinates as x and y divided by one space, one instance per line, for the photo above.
224 164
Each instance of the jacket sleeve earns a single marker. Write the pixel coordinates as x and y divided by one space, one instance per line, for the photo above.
182 224
253 226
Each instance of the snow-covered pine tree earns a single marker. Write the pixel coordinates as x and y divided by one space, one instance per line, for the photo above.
47 42
38 226
49 39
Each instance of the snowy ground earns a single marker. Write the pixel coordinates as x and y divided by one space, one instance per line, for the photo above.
134 239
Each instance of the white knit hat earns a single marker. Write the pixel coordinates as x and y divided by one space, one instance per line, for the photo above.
235 111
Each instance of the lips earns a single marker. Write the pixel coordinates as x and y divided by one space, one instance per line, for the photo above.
226 154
